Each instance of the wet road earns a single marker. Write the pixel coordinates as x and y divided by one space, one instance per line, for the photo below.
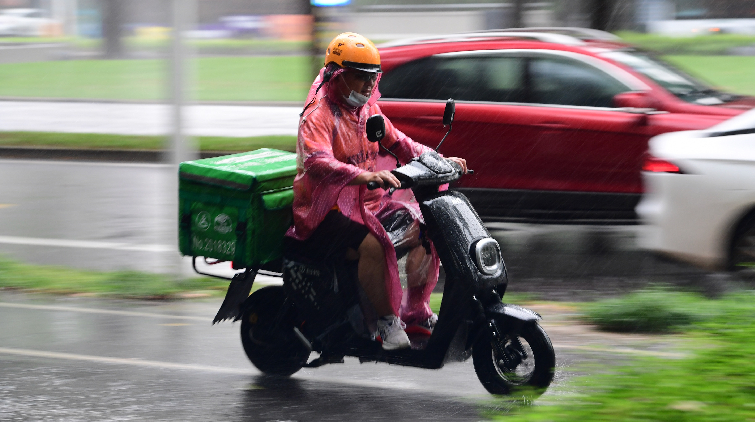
83 359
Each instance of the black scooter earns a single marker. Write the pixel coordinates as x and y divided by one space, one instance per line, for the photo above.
318 306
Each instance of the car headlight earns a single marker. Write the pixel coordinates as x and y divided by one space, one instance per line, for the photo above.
487 256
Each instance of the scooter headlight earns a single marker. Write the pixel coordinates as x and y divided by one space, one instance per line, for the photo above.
487 255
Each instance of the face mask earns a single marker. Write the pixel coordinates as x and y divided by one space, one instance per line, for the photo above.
356 99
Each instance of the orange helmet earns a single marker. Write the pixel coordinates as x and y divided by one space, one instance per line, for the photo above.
353 51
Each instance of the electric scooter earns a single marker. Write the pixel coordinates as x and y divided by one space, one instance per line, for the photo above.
318 307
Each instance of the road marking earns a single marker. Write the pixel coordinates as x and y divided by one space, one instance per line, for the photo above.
192 367
124 361
88 244
101 311
48 163
7 205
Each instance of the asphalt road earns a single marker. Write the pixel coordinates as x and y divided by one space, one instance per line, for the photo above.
85 359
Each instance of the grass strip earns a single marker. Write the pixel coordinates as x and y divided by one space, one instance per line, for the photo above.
715 383
132 142
712 44
729 73
657 309
126 284
230 79
121 284
274 78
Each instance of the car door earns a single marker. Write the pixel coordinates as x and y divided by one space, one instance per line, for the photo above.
583 141
491 130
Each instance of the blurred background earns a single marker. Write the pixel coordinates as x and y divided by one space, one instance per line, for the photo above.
117 77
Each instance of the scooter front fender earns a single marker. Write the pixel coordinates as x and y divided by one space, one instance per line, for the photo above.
511 316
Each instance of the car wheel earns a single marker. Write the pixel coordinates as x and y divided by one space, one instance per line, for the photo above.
742 256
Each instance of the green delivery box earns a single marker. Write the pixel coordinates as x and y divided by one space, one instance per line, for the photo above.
236 207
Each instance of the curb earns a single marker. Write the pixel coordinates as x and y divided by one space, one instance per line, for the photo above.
105 155
166 103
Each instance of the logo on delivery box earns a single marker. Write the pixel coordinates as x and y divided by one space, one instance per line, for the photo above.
223 223
203 220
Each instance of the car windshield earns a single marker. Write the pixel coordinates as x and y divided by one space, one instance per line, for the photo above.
673 80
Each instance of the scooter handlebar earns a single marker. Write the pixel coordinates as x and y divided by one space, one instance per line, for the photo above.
375 185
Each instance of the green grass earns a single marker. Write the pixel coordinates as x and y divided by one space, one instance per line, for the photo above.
124 284
230 79
284 78
735 74
654 310
716 382
127 142
714 44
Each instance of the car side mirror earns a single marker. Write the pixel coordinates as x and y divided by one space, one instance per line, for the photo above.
634 99
375 128
448 113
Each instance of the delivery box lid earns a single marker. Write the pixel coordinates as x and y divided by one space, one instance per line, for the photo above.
242 171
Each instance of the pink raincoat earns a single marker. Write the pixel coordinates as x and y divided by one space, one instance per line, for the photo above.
332 149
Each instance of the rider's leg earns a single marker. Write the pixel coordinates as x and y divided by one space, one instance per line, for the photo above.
422 276
371 274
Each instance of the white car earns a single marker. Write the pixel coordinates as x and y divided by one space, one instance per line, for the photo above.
699 200
23 22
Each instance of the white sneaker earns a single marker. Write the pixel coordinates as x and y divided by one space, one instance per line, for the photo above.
391 331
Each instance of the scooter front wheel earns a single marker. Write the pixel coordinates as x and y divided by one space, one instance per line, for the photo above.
268 336
522 362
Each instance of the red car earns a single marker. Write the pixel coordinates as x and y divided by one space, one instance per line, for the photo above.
555 122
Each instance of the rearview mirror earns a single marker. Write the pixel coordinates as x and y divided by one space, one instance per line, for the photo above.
448 113
375 128
634 99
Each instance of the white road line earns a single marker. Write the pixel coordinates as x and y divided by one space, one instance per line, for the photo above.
75 163
88 244
193 367
102 311
124 361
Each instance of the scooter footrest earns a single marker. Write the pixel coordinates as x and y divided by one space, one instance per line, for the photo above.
323 360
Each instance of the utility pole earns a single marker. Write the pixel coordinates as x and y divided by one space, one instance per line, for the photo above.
183 16
517 14
112 31
600 14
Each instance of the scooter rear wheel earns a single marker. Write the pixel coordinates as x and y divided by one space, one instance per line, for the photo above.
526 370
267 334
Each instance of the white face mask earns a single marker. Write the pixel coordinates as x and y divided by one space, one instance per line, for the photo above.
356 99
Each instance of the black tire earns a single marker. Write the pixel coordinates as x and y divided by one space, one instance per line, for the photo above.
742 254
530 377
274 350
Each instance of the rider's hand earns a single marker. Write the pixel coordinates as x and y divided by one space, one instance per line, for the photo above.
384 178
461 162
